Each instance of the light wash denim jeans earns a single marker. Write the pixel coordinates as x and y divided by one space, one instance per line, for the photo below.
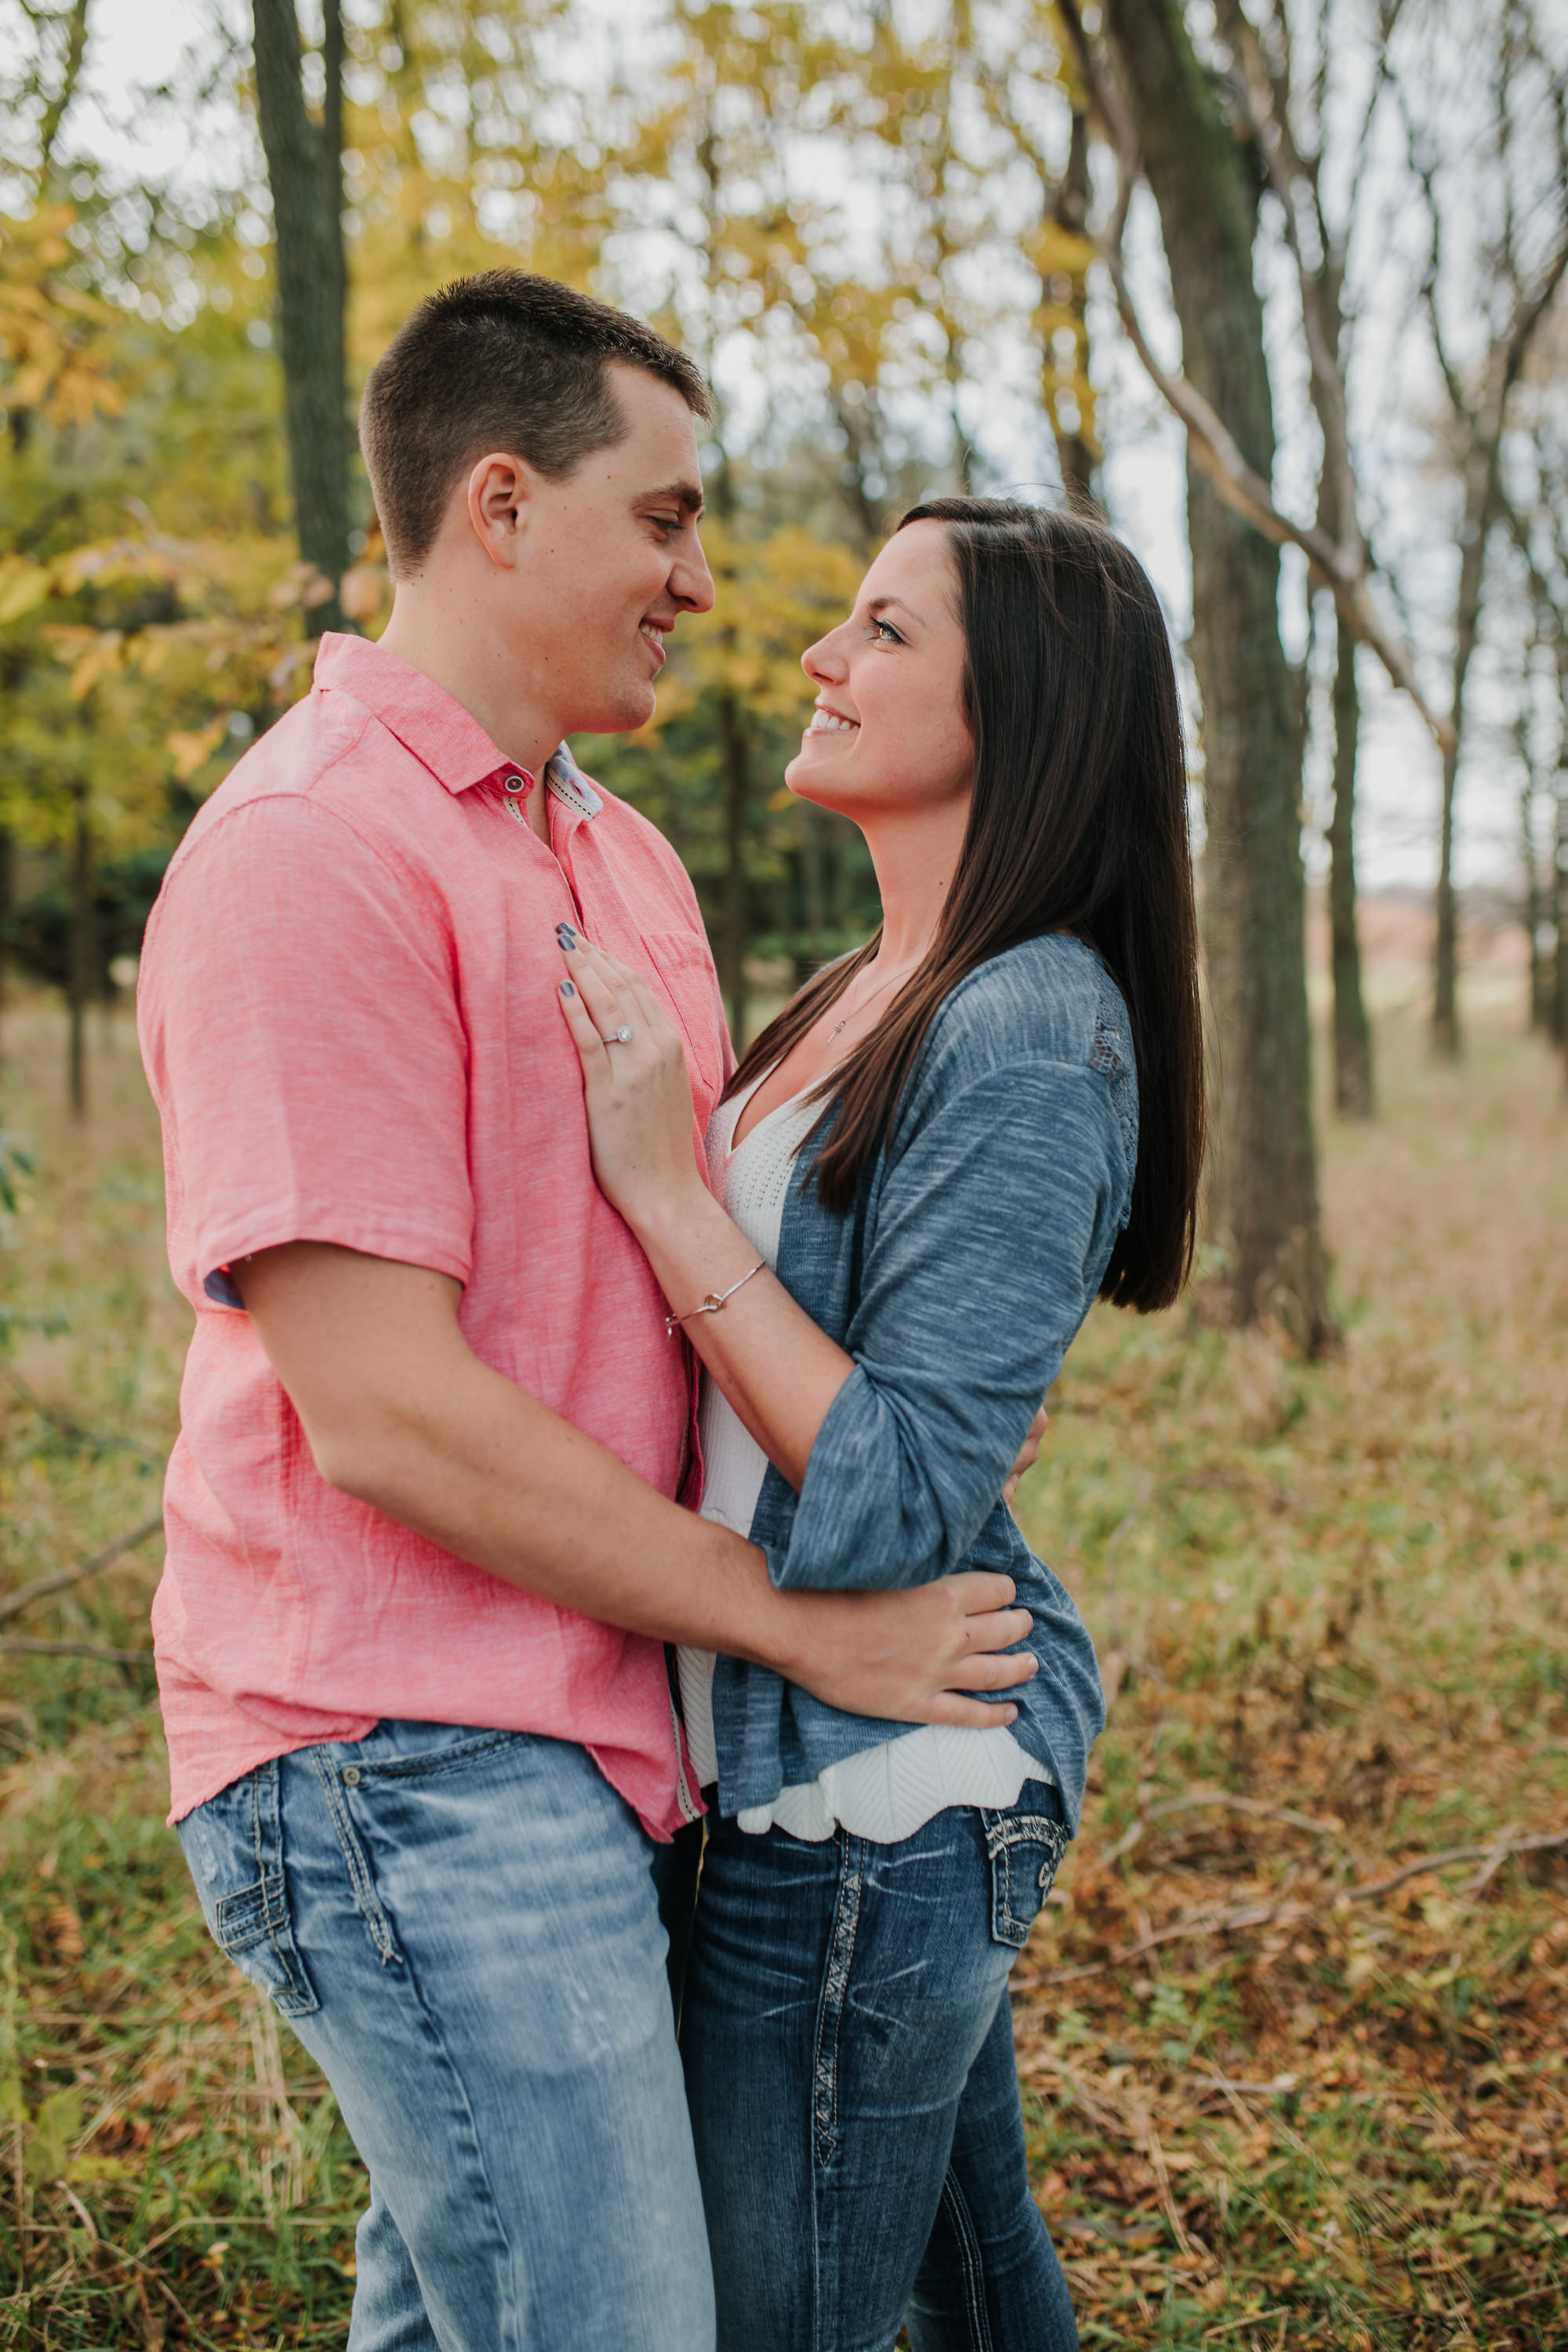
463 1928
849 2051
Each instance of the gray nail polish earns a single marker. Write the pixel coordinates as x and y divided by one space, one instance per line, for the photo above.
567 989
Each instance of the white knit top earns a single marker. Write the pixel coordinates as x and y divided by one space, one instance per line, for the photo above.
889 1792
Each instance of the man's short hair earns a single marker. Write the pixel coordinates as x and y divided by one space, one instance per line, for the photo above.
502 361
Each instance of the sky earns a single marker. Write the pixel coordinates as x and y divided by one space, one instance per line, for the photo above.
137 44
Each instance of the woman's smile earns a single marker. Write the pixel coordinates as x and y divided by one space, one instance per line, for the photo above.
826 721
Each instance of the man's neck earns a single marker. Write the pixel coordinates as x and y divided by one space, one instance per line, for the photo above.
464 655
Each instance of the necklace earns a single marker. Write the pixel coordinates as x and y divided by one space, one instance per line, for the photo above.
861 1006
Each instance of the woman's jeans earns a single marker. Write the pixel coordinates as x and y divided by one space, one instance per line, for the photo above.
463 1928
849 2051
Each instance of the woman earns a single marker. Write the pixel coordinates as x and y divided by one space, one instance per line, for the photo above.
921 1175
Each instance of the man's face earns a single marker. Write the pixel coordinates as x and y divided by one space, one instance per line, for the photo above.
608 559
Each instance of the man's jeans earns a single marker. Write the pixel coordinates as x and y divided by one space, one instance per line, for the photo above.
463 1928
849 2051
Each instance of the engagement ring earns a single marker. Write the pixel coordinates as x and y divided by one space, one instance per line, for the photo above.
617 1037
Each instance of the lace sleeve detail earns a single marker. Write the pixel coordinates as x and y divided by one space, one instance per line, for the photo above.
1112 1054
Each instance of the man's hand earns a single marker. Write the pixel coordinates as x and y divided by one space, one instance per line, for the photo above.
1028 1454
400 1413
908 1656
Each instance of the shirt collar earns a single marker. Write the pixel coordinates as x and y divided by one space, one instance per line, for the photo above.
442 735
570 785
423 716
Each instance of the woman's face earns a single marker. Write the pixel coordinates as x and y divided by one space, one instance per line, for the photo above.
889 737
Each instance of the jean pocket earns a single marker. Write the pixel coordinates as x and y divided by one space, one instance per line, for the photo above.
233 1846
1024 1852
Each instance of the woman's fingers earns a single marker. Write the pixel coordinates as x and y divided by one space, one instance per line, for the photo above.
605 1001
585 1032
627 990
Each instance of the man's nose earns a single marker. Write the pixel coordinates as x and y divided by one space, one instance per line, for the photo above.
690 582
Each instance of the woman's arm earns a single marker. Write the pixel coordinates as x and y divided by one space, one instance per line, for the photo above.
779 1371
993 1224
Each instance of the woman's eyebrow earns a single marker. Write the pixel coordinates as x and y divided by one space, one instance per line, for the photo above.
881 604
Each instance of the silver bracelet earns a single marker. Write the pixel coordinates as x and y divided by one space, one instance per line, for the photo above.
711 1304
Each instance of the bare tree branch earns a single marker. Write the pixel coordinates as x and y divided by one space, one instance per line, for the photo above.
1343 569
42 1586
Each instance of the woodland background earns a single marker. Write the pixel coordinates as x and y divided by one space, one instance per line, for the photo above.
1291 2035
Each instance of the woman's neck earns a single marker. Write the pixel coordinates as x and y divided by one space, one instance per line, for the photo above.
916 858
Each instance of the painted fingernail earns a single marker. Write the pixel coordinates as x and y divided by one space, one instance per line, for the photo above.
567 989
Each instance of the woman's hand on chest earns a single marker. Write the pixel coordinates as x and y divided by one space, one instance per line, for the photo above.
637 1088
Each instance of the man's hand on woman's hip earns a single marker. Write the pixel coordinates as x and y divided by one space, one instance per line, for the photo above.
919 1656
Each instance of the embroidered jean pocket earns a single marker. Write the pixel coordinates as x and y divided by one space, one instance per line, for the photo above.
1025 1852
234 1844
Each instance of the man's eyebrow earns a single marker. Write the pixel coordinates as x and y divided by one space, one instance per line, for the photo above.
688 496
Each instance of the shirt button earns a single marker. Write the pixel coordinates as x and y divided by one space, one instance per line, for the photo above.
515 783
351 1778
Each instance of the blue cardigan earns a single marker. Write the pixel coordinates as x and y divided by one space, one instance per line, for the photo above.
978 1241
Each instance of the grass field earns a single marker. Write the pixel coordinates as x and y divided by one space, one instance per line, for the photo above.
1292 2031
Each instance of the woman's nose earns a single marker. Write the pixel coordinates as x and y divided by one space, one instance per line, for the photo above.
823 662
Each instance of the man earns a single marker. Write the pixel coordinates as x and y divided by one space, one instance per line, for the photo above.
424 1547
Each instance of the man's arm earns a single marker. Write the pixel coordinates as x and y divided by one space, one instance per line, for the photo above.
400 1413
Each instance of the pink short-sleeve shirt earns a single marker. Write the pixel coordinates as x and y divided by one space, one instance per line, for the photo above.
349 1019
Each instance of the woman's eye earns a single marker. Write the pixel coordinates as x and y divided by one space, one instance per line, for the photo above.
886 632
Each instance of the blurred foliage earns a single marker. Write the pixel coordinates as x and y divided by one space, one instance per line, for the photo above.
151 602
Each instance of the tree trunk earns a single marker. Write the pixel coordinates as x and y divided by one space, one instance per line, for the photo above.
1537 900
735 753
1076 453
1535 917
1474 530
1560 915
304 171
82 971
60 106
7 914
1352 1033
1263 1203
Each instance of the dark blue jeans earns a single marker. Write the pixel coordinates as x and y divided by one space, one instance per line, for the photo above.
848 2052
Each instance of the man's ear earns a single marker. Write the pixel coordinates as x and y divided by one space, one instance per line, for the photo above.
498 488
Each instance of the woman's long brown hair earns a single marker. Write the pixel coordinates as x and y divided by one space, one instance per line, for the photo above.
1078 823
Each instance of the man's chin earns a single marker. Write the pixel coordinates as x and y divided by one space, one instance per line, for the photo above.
619 713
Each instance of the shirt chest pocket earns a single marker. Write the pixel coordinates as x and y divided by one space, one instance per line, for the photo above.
684 968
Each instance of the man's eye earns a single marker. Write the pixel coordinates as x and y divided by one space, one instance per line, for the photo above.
669 523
